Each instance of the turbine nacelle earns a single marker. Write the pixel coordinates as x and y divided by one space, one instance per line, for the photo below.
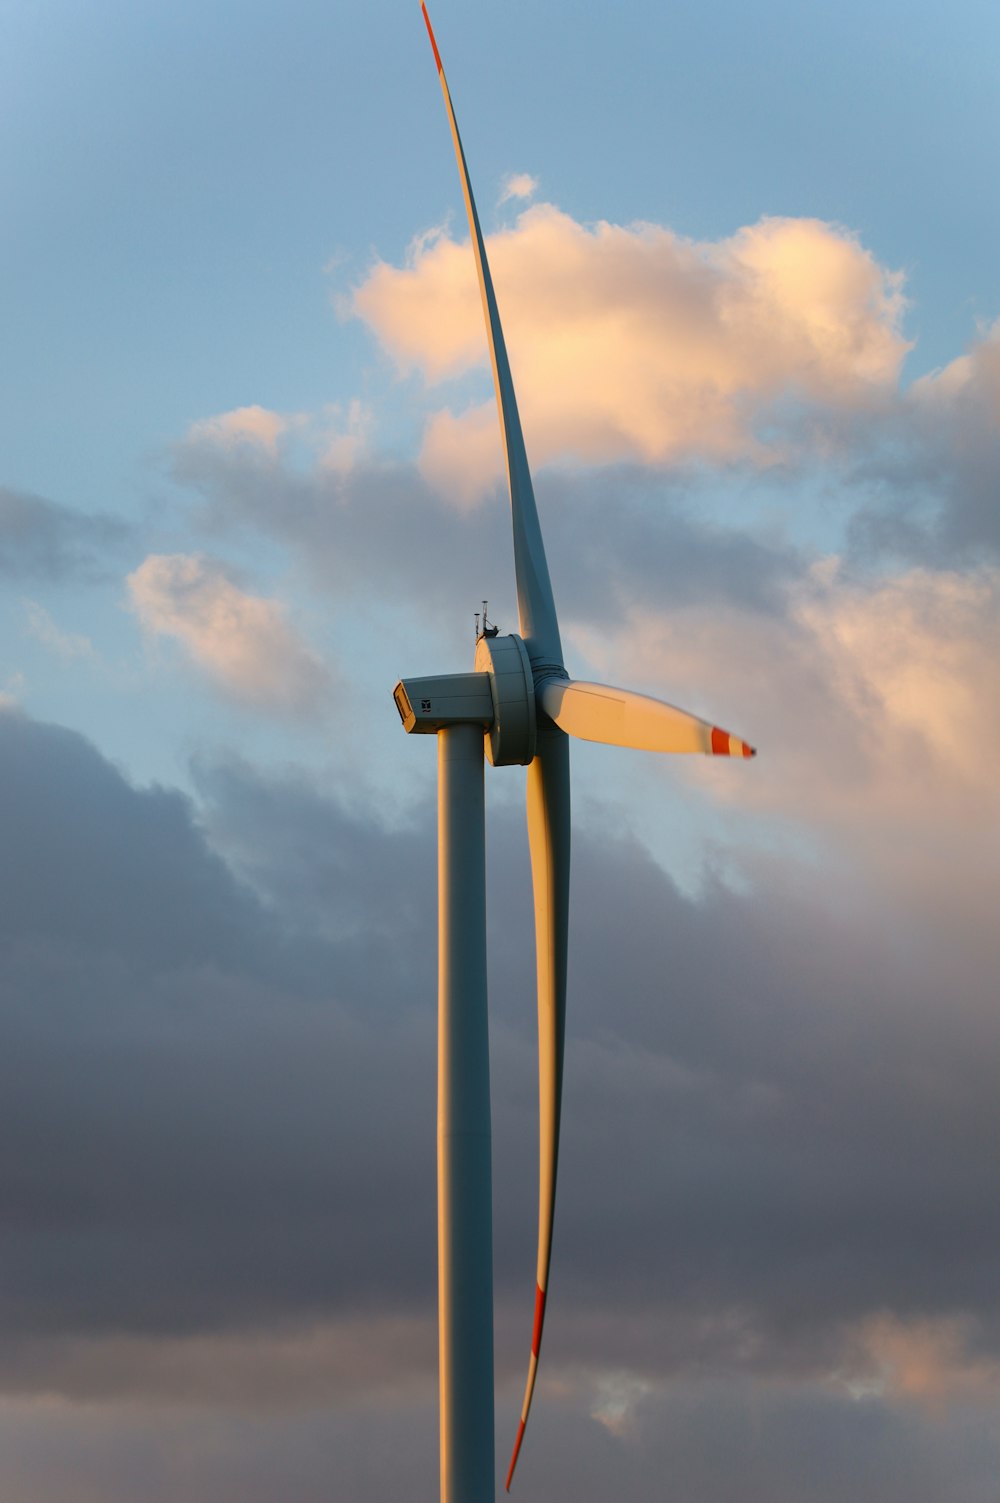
499 695
429 705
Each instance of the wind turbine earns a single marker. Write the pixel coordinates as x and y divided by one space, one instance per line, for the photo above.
521 703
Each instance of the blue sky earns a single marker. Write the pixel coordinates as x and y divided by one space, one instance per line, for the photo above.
746 260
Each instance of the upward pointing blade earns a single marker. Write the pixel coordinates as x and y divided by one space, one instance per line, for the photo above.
535 606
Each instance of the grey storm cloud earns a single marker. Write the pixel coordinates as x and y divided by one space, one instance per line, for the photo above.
927 490
188 1085
44 539
716 1441
911 476
619 538
378 521
218 1088
922 476
629 539
217 1117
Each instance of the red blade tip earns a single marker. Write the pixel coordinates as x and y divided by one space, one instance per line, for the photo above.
513 1459
724 745
430 33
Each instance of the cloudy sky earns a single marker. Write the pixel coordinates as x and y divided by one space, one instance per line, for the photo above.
249 475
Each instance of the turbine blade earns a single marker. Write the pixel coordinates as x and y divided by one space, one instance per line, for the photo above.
536 608
549 839
619 717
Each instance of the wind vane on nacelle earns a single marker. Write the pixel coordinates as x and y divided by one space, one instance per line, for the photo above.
488 629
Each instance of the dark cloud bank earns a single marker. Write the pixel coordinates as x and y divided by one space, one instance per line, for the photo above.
216 1086
624 538
41 539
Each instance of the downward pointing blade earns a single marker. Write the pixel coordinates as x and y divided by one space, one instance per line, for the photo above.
535 606
549 839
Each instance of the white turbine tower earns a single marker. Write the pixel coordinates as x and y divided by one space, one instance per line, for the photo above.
523 704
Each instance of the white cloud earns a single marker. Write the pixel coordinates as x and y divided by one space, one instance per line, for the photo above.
343 439
632 343
252 427
973 378
861 695
241 642
518 185
923 1361
617 1398
910 660
66 645
461 454
875 708
261 1370
336 438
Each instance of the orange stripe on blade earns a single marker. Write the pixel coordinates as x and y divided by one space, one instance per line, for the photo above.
430 33
536 1334
720 742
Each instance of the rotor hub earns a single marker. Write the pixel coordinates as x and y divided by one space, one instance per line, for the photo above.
510 740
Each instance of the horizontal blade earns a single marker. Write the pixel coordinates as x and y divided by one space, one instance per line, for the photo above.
536 608
549 839
620 717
